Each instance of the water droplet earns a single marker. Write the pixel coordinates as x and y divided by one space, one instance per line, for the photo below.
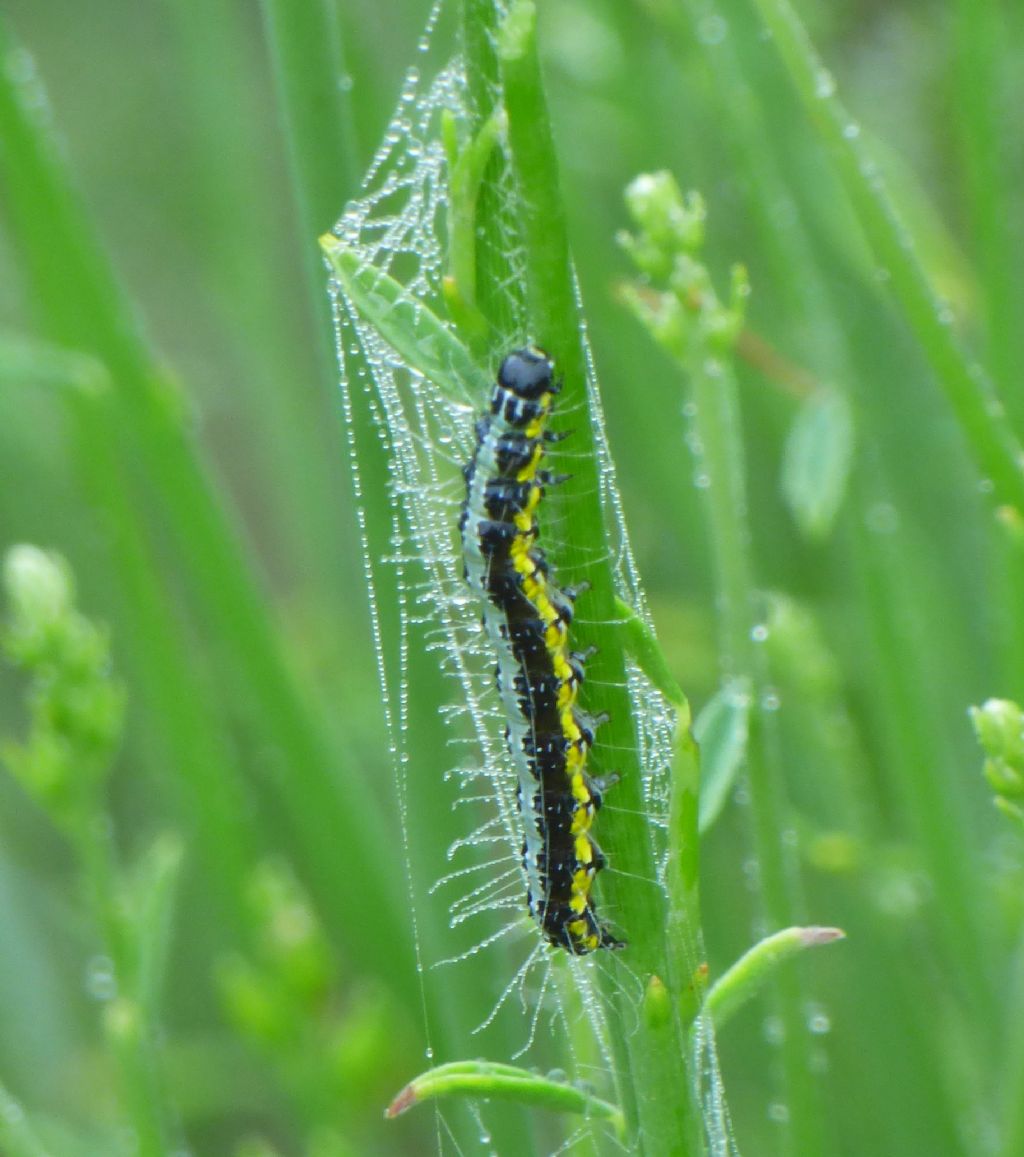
945 314
759 633
712 29
770 700
986 485
773 1030
690 410
778 1112
100 980
824 84
702 481
819 1022
346 82
851 131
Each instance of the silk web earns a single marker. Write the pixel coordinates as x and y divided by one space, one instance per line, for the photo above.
397 225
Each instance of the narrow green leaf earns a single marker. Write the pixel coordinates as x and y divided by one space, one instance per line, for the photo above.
642 646
419 336
750 973
153 887
483 1079
28 361
721 730
816 464
970 393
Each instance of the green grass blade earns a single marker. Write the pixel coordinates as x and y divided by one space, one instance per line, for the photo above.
652 1060
93 315
981 414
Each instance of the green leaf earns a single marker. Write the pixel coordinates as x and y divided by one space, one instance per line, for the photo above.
642 646
419 336
721 730
152 889
817 460
25 360
750 973
482 1079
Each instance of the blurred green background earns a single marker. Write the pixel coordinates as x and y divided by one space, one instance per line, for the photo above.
254 725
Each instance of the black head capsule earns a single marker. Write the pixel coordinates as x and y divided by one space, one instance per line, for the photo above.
528 373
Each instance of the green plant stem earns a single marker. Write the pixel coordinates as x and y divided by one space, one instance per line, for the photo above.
130 1032
305 45
655 1089
327 802
978 31
285 368
996 451
797 273
682 875
188 739
717 424
1012 1103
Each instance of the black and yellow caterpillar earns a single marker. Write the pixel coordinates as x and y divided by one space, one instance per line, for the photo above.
527 618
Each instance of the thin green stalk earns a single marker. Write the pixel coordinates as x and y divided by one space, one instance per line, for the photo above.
933 808
494 212
716 422
128 1029
189 739
995 448
1011 1100
427 794
82 306
248 247
77 713
651 1070
978 33
304 41
682 875
797 272
666 251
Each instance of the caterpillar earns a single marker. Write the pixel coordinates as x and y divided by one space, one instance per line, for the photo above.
527 618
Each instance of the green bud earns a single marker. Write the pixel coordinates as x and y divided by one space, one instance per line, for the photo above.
294 947
39 586
657 1004
254 1004
673 223
76 705
999 725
